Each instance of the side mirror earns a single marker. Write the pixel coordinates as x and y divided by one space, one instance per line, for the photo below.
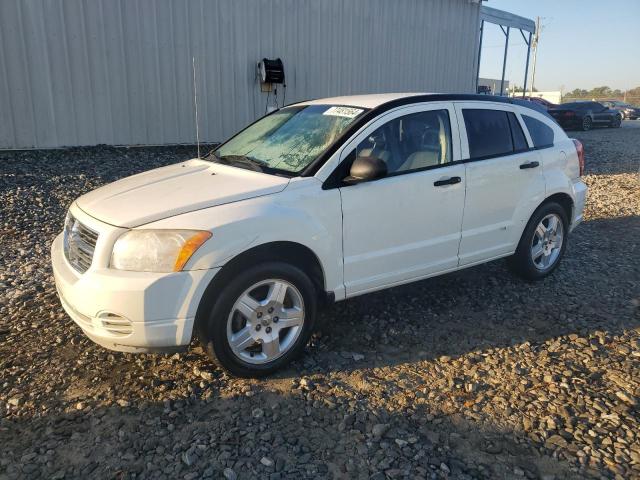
365 169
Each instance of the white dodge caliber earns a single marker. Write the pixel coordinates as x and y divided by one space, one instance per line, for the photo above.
319 201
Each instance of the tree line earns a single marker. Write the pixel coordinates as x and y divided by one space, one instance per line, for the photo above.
605 93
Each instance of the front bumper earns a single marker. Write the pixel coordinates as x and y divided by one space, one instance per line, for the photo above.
130 311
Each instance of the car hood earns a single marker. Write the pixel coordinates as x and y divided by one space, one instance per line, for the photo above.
175 189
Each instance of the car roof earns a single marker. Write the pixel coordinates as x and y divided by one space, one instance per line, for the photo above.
364 101
385 101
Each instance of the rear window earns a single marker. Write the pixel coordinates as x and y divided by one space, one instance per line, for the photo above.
541 134
492 133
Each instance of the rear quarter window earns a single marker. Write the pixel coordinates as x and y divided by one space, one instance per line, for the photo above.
541 133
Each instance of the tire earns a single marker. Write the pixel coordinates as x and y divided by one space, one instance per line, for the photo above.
616 122
587 123
529 263
250 323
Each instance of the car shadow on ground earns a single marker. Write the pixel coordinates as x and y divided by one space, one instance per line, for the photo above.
333 437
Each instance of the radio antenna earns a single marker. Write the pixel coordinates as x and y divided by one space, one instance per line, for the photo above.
195 102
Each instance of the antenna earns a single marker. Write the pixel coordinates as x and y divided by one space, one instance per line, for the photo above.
195 102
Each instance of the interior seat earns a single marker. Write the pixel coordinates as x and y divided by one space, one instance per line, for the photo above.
383 155
421 159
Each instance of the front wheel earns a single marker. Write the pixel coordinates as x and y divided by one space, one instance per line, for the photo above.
542 244
261 320
616 122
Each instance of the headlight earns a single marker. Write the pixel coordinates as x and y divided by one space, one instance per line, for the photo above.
156 250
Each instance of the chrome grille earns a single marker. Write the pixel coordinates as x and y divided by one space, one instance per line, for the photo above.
79 244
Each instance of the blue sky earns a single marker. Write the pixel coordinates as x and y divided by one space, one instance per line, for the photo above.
583 44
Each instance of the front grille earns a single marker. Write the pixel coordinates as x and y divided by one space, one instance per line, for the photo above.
79 244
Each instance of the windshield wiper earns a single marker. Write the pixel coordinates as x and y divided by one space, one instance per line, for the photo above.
242 161
249 163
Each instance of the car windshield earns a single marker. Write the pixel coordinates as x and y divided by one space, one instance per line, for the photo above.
287 141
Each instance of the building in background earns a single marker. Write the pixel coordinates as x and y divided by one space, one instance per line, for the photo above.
80 72
492 85
552 96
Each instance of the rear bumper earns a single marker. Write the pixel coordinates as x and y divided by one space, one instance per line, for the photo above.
580 198
130 311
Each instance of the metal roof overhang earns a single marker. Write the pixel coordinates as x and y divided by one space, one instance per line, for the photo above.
506 19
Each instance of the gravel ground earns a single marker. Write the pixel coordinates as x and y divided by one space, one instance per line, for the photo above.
470 375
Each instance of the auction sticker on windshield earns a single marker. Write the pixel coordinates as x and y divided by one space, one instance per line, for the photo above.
348 112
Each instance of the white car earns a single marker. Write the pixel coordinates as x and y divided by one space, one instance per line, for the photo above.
319 201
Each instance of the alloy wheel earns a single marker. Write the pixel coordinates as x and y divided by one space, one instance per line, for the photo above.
546 243
586 123
265 321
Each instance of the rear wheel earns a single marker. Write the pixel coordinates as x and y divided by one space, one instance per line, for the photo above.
542 244
261 320
587 123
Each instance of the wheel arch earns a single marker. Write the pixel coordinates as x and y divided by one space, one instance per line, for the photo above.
565 200
289 252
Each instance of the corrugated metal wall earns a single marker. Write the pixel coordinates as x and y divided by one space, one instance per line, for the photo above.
87 72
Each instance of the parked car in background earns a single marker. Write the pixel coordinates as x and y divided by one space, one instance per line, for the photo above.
628 111
316 202
585 115
540 101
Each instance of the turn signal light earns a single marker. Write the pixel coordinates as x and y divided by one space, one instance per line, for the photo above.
189 247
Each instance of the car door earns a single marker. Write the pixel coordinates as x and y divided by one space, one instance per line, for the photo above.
406 225
504 180
601 114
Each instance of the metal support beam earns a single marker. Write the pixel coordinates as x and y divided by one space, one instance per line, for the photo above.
526 68
504 60
479 54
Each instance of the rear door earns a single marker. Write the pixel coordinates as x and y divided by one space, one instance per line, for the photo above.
504 180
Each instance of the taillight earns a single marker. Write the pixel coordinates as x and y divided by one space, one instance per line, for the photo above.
580 152
569 114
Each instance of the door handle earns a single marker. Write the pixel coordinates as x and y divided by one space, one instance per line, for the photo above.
529 165
447 181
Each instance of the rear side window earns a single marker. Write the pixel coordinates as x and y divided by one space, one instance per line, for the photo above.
541 134
517 135
492 133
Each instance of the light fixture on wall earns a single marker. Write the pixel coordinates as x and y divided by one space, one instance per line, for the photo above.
271 71
271 74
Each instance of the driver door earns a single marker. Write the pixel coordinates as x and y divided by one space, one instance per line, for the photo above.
405 226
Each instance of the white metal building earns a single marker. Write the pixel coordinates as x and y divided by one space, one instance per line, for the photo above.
119 72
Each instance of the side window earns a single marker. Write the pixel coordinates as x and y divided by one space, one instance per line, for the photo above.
541 134
411 142
488 132
517 135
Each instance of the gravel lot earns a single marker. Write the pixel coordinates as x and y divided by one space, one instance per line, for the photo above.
470 375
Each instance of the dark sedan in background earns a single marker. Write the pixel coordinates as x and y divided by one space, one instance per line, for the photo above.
585 115
630 112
